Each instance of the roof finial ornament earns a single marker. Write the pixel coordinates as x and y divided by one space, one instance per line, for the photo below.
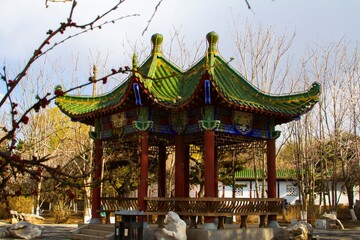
134 62
157 40
212 38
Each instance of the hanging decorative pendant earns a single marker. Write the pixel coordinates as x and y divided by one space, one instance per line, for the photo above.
178 121
243 121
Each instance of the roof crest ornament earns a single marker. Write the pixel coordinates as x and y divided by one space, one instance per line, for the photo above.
157 40
134 62
212 38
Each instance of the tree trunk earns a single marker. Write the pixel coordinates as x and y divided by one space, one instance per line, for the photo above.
37 198
350 194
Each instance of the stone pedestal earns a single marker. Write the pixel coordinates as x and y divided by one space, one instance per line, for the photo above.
320 224
273 224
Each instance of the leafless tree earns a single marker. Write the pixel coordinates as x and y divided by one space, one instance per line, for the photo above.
21 106
262 58
333 125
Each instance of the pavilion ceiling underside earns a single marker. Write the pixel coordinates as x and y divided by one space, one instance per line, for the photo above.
120 152
221 140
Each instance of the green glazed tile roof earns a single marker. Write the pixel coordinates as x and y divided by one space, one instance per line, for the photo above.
79 105
236 90
249 174
169 86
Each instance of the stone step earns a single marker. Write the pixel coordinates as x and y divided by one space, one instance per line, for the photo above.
80 236
102 227
94 231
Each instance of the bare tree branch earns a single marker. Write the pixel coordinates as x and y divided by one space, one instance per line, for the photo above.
150 20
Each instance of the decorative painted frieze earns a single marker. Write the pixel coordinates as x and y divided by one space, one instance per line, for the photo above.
243 121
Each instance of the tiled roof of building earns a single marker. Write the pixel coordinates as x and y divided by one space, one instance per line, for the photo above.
249 174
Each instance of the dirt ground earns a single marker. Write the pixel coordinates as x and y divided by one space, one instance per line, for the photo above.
50 229
75 218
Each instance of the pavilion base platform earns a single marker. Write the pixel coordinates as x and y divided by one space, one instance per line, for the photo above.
231 232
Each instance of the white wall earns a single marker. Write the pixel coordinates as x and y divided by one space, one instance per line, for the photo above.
249 186
282 191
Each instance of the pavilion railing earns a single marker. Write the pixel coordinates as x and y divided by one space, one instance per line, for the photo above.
192 206
205 207
208 206
116 203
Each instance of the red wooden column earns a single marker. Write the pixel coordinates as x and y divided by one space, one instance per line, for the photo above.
271 169
144 158
210 170
162 171
216 174
96 191
179 166
161 180
186 170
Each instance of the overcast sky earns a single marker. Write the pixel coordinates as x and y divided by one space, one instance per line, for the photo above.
25 22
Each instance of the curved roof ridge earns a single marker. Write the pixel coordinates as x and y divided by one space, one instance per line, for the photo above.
218 56
79 105
238 90
158 72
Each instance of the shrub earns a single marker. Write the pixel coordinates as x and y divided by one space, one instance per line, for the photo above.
4 213
21 204
62 212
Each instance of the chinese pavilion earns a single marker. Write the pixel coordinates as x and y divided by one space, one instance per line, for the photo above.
209 105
